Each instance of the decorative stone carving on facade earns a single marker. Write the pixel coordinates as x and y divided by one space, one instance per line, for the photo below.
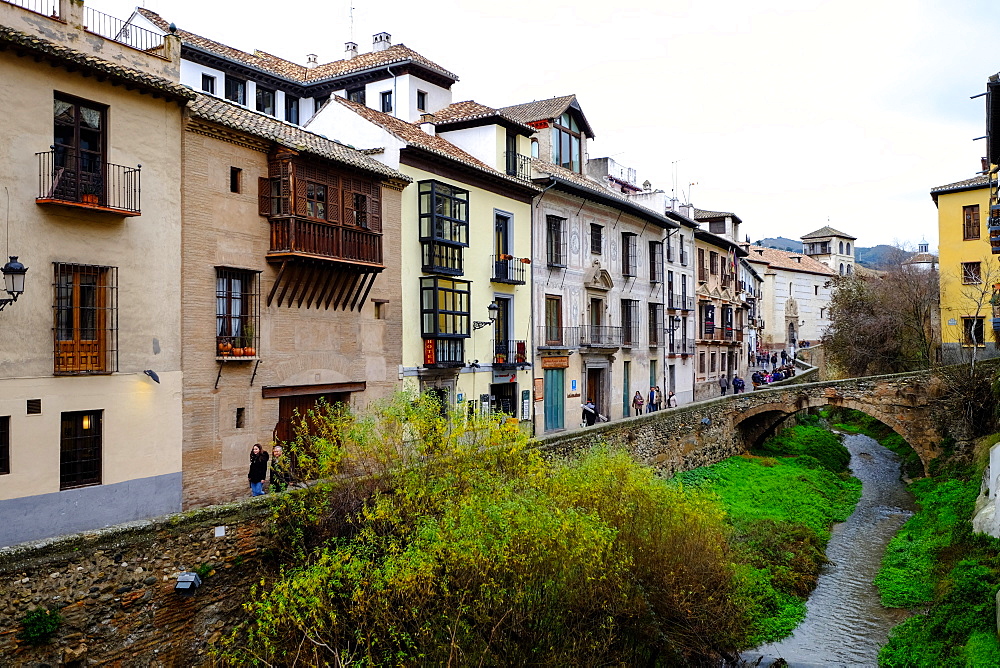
598 278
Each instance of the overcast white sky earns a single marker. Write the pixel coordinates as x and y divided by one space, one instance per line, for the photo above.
794 115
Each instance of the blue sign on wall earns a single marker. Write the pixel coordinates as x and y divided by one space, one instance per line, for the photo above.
572 385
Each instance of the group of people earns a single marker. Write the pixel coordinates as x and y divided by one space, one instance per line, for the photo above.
653 402
765 377
738 384
767 358
280 473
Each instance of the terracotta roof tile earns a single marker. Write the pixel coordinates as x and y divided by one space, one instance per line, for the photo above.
93 64
417 138
470 110
790 261
980 181
702 214
394 54
224 112
826 231
539 109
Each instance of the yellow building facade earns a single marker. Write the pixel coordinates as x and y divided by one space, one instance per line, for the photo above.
968 270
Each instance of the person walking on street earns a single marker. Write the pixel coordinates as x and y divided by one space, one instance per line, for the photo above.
784 358
774 361
258 469
280 475
723 384
738 385
637 403
671 399
657 398
589 413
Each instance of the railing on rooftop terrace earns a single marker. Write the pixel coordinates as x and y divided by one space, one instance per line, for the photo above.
124 32
518 165
43 7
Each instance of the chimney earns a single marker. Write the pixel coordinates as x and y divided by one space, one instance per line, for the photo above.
427 124
350 50
310 60
382 41
985 164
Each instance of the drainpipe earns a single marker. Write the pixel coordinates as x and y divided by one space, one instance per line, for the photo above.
395 97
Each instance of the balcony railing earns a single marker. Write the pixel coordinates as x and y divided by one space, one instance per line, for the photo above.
114 28
558 337
67 178
680 347
680 302
508 354
444 353
299 236
44 7
601 336
507 269
518 165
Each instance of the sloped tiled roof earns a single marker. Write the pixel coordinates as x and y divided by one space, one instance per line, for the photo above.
702 214
228 114
470 110
826 231
396 53
539 110
417 138
790 261
980 181
580 181
46 49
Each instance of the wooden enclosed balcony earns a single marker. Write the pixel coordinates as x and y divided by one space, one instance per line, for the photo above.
298 237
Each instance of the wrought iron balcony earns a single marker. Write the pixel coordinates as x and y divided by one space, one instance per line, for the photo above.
600 336
510 354
507 269
70 179
680 302
558 337
683 347
444 353
314 240
518 165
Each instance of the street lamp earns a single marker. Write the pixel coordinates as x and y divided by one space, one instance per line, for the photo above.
493 311
13 278
675 322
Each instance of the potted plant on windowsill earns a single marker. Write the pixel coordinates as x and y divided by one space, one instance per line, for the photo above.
249 340
88 193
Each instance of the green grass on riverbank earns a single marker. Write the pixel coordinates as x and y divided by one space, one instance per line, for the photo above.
780 508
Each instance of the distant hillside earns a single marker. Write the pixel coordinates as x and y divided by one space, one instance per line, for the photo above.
877 257
781 243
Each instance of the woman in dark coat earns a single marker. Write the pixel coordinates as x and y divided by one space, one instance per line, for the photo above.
258 469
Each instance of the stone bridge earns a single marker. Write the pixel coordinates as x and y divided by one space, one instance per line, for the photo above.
707 432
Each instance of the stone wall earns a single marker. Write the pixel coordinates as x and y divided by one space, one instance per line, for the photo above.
115 588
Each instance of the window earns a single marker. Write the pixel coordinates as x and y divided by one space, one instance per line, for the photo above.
683 253
701 362
444 310
970 224
208 83
717 227
316 200
4 444
236 90
713 263
566 142
534 148
670 249
655 324
86 319
974 331
78 144
555 242
702 269
241 417
385 101
712 364
80 449
237 309
444 226
359 209
291 109
815 290
265 100
841 247
655 261
553 320
848 248
629 259
235 176
421 101
356 95
321 100
972 273
596 238
630 321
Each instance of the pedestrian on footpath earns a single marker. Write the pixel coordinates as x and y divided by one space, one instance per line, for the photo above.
637 404
738 385
258 469
784 358
280 475
774 361
671 399
589 413
723 384
657 398
651 399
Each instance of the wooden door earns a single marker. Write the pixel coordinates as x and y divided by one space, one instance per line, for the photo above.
291 410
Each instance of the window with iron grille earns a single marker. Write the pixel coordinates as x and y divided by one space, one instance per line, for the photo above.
237 312
630 322
713 263
555 241
5 444
655 324
970 218
596 238
444 226
80 446
629 256
655 261
972 273
85 319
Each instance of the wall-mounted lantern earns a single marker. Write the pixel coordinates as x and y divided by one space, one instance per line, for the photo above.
493 311
13 278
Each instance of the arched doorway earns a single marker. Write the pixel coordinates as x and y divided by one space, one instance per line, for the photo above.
791 334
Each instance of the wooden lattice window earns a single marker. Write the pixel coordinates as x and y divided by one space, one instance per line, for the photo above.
85 319
315 200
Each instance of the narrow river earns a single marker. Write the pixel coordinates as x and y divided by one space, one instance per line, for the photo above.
845 624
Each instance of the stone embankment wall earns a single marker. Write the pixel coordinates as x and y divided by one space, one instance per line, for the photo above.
115 588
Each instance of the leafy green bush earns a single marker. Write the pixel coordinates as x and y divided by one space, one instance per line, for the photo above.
39 626
804 439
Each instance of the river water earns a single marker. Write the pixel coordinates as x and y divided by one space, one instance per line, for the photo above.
845 624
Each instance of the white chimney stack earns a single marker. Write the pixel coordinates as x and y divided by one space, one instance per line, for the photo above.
427 124
350 50
310 60
382 41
